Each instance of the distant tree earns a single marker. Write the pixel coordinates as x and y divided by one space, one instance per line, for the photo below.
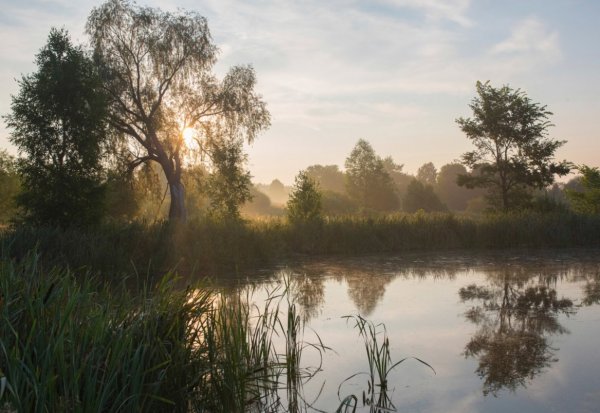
304 204
277 192
10 187
277 186
513 153
157 70
574 184
335 203
557 193
588 199
329 177
367 182
229 184
420 196
454 196
259 204
400 179
427 174
58 122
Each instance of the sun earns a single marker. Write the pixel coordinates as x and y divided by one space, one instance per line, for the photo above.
189 136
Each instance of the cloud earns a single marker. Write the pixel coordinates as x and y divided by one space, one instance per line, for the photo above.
453 10
530 36
335 55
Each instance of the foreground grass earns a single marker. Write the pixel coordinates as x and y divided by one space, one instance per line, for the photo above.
210 246
72 345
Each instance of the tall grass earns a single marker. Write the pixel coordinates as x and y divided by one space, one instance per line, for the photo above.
215 246
379 360
70 343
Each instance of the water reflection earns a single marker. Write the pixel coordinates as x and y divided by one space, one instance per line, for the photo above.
592 292
512 318
367 278
308 293
516 316
591 289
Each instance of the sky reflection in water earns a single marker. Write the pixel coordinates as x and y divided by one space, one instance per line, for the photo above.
505 331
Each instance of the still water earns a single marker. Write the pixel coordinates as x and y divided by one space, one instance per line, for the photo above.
505 331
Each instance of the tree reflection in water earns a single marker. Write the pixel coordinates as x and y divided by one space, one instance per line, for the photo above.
308 291
591 292
367 292
516 316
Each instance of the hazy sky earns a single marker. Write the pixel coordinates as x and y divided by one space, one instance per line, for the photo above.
394 72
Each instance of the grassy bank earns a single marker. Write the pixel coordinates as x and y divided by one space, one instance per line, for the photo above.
209 246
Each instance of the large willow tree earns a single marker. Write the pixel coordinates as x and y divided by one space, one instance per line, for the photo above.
157 70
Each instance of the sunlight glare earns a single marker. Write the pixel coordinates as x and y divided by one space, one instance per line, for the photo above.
189 138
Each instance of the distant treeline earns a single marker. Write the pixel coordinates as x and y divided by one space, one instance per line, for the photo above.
430 189
142 196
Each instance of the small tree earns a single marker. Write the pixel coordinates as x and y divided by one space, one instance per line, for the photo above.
586 201
304 204
367 181
229 183
58 122
513 153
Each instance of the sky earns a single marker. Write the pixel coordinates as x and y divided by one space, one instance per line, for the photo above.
394 72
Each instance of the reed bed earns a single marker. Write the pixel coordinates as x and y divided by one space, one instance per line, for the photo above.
71 343
215 246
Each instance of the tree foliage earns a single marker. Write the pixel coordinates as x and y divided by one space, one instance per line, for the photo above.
10 187
367 181
335 203
587 200
58 122
157 70
259 204
229 184
329 177
400 179
420 196
304 204
427 174
513 153
450 193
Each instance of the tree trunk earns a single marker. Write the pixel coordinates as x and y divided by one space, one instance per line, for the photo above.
177 211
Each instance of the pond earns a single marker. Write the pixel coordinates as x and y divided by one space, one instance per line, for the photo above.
504 331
